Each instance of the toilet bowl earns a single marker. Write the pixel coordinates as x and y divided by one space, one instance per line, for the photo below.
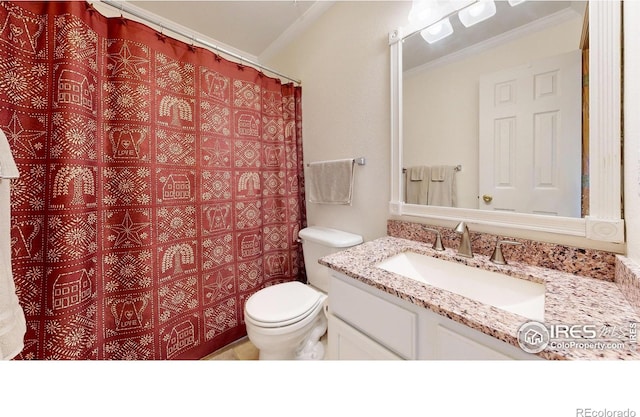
287 321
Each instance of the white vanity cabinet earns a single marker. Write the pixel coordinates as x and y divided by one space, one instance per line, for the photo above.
367 323
347 343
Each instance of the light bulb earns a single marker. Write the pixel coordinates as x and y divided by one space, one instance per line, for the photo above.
477 12
437 31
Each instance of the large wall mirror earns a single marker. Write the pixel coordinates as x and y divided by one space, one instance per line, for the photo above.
514 121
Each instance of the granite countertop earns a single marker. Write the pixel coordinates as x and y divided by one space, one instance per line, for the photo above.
569 299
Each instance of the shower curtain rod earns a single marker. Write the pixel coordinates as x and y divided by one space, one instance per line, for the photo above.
120 5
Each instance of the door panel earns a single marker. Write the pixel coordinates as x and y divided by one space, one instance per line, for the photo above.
530 137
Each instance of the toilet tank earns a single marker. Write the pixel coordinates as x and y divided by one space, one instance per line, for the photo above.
321 241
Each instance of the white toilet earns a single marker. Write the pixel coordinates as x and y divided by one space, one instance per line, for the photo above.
286 321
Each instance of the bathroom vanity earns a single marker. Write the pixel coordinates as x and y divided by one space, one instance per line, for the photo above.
378 314
367 323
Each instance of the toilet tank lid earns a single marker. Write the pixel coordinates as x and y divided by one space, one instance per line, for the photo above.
330 237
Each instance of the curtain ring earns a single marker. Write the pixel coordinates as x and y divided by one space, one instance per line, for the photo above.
161 36
90 8
216 54
122 18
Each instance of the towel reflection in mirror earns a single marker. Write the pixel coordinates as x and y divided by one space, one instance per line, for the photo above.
434 186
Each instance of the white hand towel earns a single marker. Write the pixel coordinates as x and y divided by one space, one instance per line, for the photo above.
8 168
417 191
417 173
443 193
438 173
12 321
331 182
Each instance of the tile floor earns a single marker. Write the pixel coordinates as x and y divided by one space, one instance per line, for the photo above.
243 350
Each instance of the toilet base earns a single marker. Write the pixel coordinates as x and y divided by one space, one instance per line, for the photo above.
300 346
312 348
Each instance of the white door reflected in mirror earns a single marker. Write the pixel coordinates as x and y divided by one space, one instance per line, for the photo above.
530 137
444 112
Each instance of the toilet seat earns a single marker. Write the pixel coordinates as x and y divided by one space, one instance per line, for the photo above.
282 304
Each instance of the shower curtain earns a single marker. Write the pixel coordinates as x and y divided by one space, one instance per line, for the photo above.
160 185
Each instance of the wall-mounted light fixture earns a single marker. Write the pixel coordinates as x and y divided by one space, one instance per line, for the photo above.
431 17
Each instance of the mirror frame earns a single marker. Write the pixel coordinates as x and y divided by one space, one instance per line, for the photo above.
604 222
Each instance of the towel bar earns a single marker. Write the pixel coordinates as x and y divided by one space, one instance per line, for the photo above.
458 168
360 161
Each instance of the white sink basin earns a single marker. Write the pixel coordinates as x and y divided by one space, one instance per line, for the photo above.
499 290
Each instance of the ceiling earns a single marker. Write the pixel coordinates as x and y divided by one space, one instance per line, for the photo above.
259 28
248 26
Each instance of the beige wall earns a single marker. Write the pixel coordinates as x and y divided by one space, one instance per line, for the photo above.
441 104
343 62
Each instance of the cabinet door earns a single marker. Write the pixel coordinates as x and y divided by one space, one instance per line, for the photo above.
393 326
346 343
450 345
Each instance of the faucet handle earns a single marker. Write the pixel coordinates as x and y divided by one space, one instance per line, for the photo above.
437 244
497 257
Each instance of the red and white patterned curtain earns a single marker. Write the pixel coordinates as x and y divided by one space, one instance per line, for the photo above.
160 185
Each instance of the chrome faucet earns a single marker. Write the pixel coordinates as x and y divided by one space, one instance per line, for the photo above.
465 241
